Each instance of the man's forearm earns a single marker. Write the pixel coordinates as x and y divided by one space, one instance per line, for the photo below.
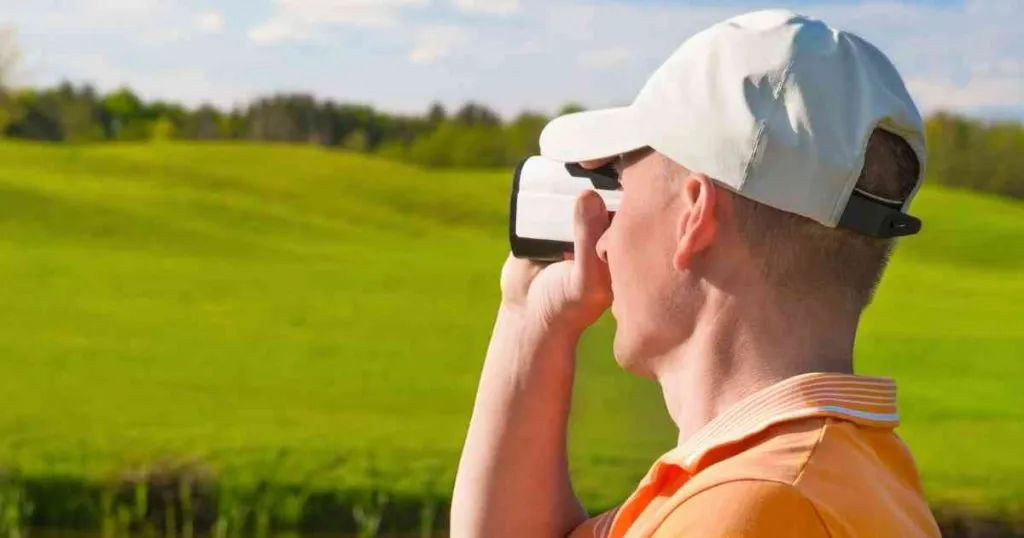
513 478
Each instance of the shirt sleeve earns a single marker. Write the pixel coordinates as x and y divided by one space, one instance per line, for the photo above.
596 527
745 509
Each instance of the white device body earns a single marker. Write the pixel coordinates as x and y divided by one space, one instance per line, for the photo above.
544 194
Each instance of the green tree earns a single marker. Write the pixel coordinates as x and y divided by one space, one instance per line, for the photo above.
571 108
65 113
474 114
985 156
129 118
232 125
36 120
437 115
162 129
481 146
522 137
8 113
357 141
394 150
202 124
435 148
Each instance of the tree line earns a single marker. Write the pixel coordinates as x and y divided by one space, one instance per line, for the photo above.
964 152
471 136
985 156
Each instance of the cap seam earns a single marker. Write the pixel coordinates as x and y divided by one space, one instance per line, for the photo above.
763 124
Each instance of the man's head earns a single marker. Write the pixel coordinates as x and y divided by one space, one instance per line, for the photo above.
771 156
678 232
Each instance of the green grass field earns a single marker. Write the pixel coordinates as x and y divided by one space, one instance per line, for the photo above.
226 302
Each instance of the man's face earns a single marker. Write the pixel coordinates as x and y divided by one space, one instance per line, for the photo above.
650 296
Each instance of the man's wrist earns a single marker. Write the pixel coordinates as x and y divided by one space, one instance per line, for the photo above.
533 331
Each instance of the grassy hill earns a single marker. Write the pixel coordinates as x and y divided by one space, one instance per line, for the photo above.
230 302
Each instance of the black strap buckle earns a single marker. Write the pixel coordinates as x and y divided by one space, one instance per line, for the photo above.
876 218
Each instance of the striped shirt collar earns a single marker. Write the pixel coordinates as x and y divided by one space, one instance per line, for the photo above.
870 401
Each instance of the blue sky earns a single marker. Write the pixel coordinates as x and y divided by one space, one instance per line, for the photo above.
513 55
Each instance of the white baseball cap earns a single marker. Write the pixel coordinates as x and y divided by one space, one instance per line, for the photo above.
775 106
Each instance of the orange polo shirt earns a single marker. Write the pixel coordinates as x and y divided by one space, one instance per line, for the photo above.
814 456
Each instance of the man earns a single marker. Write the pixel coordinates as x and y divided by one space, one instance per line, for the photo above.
766 169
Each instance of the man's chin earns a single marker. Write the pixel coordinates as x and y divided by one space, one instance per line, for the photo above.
630 357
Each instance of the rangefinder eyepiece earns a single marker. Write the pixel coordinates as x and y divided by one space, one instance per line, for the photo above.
544 194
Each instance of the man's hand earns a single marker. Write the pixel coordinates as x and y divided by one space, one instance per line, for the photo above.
567 296
513 478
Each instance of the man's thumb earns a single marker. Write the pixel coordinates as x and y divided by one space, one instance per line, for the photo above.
591 221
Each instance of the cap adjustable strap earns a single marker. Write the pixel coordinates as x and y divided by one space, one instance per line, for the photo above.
871 216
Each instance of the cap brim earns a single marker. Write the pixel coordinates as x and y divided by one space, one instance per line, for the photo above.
592 135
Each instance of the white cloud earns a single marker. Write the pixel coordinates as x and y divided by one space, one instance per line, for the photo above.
146 22
953 57
940 93
436 42
965 57
279 30
297 20
88 15
605 58
189 85
120 7
356 12
1009 67
490 7
163 36
211 21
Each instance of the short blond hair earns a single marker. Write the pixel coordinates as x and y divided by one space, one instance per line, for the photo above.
802 256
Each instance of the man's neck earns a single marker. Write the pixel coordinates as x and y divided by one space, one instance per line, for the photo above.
740 346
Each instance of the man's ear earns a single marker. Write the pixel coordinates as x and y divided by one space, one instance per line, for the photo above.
698 222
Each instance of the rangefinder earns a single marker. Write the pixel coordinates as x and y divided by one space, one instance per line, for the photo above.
544 194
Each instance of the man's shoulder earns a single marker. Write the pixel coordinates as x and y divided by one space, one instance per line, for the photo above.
818 472
744 507
749 487
804 452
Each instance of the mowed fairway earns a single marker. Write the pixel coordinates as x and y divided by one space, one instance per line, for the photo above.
226 302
